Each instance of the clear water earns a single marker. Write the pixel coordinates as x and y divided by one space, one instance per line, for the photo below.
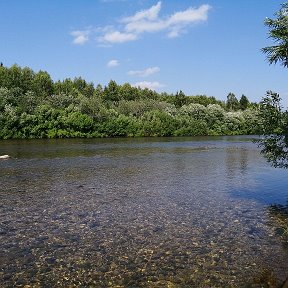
146 212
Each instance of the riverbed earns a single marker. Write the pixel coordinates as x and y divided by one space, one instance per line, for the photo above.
140 212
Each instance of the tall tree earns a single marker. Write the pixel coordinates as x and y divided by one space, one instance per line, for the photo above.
127 92
278 31
243 102
86 89
274 142
111 92
180 99
42 84
274 123
232 102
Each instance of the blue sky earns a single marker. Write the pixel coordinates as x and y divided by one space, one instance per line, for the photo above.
209 47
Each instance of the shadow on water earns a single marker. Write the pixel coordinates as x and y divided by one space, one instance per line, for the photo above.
269 188
273 198
279 219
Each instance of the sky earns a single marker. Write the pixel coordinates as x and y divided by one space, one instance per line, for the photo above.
202 47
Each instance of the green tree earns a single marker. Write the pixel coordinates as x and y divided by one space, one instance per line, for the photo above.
33 106
86 89
27 78
274 123
42 84
274 142
111 92
65 87
193 110
278 31
28 102
127 92
215 116
147 94
243 102
232 102
204 100
180 99
16 77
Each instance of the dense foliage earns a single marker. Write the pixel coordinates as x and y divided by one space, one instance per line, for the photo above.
274 123
274 119
33 106
278 31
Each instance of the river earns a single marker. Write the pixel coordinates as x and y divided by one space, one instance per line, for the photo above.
143 212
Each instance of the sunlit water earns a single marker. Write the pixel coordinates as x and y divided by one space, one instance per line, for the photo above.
171 212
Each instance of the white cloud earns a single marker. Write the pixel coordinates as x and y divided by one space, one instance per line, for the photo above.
113 63
80 37
189 16
174 24
117 37
149 14
150 85
138 27
146 21
144 73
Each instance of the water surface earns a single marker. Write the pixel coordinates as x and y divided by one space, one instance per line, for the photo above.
146 212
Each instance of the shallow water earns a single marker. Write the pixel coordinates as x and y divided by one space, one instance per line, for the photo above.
152 212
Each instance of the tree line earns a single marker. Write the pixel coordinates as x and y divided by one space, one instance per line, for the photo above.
32 105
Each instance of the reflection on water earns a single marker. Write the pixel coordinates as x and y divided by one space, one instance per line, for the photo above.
172 212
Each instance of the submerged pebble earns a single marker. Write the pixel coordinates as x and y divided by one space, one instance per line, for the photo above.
139 217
